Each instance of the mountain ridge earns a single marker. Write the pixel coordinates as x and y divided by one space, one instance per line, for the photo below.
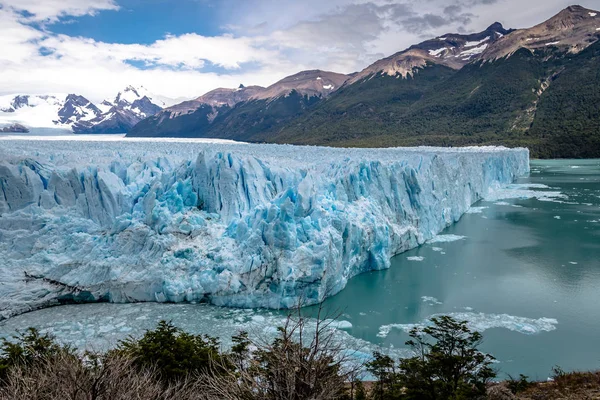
452 50
494 87
569 29
288 98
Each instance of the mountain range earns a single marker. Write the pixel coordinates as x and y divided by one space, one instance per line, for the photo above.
79 115
537 87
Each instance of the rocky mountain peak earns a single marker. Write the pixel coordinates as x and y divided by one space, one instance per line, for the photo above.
129 95
452 50
571 30
16 103
76 108
569 18
497 27
308 83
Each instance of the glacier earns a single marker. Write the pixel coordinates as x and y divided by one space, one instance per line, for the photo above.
242 225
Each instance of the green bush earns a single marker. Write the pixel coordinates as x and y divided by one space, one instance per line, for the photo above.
27 348
174 353
446 365
518 385
387 384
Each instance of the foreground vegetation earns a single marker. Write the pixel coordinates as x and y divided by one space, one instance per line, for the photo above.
304 361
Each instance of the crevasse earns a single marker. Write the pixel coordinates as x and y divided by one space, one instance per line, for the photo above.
233 224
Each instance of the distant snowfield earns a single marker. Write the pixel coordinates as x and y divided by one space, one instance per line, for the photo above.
102 217
41 114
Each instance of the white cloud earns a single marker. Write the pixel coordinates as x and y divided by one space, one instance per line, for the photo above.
98 82
51 10
16 39
187 51
267 40
171 66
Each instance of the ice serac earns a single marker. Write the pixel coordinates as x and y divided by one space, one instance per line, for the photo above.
236 225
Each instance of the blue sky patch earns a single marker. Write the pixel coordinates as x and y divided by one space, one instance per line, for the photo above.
143 21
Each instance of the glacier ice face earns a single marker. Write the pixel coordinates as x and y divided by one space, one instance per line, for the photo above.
233 224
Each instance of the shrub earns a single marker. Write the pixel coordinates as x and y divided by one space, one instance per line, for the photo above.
299 364
518 385
65 376
450 367
27 348
174 353
446 365
387 380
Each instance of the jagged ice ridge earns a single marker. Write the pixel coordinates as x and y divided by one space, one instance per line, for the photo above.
232 224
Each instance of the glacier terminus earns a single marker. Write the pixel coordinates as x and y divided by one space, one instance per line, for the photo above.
243 225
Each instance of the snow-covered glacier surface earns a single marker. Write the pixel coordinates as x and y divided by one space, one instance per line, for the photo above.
232 224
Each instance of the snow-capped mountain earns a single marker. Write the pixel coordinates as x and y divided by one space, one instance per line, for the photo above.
452 50
46 111
119 115
77 114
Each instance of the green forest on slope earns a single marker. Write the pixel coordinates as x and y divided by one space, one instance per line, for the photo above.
492 103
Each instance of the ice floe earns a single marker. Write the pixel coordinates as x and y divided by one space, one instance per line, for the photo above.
481 322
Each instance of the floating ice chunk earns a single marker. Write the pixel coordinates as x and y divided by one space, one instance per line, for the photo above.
523 191
446 238
431 300
573 262
415 258
557 217
339 324
438 249
502 203
475 210
481 322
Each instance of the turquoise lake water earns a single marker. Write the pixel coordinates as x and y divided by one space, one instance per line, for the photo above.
524 271
527 258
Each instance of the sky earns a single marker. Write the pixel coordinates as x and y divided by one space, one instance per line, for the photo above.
184 48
